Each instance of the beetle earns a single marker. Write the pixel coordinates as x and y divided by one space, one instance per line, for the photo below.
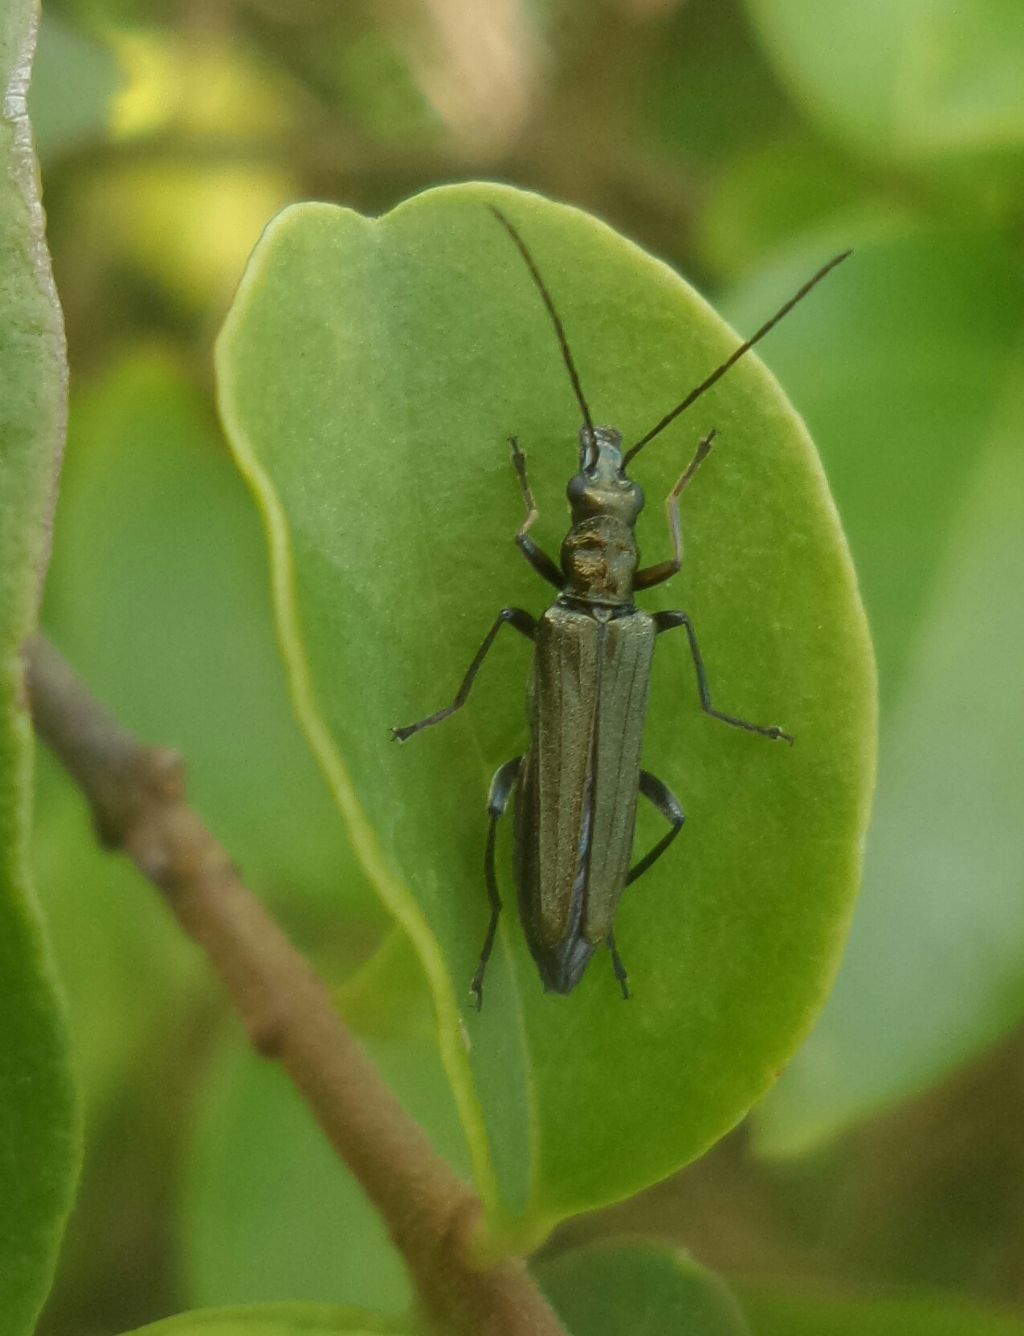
578 783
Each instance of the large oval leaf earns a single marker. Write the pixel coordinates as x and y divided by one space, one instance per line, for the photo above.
37 1126
369 373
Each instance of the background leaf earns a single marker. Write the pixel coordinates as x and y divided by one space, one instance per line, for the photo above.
944 80
277 1320
376 449
933 327
646 1289
38 1142
778 1313
158 594
309 1233
74 80
157 590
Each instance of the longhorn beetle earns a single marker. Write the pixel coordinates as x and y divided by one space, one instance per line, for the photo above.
578 782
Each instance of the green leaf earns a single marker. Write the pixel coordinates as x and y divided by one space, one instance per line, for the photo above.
777 1313
945 80
156 534
295 1224
699 50
901 382
761 199
645 1289
369 373
292 1224
158 591
74 81
278 1320
38 1140
126 974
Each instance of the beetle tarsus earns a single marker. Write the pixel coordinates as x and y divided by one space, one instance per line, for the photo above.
619 968
779 735
545 566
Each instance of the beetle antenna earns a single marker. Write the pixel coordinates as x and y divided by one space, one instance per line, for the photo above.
570 365
734 358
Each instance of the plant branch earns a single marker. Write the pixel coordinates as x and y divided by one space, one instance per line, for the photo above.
137 794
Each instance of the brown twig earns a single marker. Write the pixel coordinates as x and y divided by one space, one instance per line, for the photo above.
137 794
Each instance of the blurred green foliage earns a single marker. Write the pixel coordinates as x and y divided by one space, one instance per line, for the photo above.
743 143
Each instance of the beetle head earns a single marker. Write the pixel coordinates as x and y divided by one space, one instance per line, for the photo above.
601 487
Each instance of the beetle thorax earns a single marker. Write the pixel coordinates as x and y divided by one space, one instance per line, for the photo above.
599 555
599 560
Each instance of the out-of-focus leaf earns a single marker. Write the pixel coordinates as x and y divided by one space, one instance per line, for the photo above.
900 378
369 372
763 198
38 1142
907 79
187 226
934 972
704 49
158 594
198 84
268 1212
74 80
278 1320
643 1289
122 964
898 375
778 1313
294 1224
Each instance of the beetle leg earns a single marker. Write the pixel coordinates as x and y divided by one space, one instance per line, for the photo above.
619 968
668 805
502 784
666 621
664 570
523 622
536 556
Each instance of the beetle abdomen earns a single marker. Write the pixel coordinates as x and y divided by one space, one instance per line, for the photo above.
576 801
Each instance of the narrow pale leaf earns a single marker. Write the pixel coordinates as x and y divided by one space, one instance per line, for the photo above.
38 1149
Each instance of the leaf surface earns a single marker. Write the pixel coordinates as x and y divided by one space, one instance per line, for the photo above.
369 374
38 1133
